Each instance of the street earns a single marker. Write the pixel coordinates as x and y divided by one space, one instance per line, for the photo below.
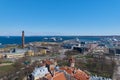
116 75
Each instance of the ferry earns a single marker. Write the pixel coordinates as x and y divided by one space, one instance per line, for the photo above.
53 39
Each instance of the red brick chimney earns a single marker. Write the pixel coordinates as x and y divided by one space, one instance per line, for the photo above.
23 39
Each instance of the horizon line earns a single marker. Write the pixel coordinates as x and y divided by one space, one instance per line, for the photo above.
56 35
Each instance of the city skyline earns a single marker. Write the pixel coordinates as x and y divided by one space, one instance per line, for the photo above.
59 17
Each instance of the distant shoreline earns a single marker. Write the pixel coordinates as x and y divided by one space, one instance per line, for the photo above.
67 36
18 39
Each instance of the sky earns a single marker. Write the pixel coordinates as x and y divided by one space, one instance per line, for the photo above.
59 17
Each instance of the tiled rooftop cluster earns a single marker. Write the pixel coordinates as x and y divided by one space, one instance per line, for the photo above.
50 71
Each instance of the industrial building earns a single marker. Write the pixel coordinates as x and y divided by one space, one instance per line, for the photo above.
15 53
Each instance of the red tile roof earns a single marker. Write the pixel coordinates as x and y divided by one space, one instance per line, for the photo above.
78 74
48 62
67 69
57 76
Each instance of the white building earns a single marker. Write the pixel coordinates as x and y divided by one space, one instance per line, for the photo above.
99 78
39 72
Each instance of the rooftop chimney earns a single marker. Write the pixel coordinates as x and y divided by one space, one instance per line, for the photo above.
23 39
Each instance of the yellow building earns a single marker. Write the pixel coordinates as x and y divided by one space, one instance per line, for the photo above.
1 56
43 51
29 53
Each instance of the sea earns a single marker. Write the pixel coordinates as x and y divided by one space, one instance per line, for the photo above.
18 39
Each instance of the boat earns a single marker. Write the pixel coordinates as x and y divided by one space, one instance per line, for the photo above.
45 38
53 39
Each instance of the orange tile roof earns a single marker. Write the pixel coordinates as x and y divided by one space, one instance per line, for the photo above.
48 62
57 76
78 75
67 69
48 76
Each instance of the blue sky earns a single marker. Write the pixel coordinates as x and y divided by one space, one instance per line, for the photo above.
60 17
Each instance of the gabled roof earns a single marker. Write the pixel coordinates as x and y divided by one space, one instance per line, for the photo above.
56 76
77 74
80 75
67 69
48 62
59 76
